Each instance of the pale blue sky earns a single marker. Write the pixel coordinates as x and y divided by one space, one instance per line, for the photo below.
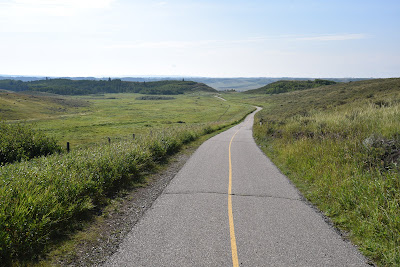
213 38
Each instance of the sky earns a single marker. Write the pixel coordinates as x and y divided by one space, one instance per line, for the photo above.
203 38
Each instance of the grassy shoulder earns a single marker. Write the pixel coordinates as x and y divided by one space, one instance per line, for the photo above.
340 145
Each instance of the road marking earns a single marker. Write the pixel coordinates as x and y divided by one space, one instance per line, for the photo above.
235 260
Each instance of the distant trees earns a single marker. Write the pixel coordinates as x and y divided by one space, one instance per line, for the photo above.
323 82
13 85
84 87
288 86
155 97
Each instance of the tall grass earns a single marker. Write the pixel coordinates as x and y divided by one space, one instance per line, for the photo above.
20 142
346 160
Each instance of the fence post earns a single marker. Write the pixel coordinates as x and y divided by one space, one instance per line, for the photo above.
68 148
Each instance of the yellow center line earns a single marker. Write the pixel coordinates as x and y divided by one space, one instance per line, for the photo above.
235 260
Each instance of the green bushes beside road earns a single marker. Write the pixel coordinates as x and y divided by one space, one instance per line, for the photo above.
19 142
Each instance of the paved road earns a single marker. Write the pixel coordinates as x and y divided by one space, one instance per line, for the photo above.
196 222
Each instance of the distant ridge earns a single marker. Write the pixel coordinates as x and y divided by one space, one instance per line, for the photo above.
85 87
221 84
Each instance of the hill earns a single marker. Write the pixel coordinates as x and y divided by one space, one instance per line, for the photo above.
289 86
331 98
85 87
35 105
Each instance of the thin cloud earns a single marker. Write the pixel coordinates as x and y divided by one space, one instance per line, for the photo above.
50 7
161 44
66 3
334 37
184 44
162 3
323 37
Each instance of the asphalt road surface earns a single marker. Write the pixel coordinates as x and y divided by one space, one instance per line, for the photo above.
230 206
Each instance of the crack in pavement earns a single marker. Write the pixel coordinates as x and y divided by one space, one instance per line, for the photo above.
236 195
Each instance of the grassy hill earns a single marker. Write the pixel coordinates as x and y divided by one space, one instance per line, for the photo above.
340 145
85 87
328 98
289 86
36 105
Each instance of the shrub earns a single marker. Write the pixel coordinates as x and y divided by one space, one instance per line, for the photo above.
382 153
154 97
19 142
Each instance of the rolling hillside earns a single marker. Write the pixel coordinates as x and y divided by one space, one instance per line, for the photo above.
330 98
35 105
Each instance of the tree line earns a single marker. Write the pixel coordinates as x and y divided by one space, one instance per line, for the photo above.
85 87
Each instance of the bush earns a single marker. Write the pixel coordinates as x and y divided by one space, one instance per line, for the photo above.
154 97
382 153
19 142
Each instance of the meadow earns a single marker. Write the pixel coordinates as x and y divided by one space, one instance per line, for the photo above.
45 199
340 145
87 120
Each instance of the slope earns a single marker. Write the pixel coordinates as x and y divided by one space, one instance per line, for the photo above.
289 86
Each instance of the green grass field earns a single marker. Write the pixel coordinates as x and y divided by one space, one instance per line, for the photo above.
87 120
340 145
